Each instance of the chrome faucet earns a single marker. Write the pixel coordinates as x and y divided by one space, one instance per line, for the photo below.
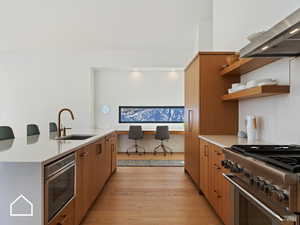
62 131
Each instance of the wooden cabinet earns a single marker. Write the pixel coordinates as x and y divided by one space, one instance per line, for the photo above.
204 167
212 183
65 217
98 154
114 152
191 120
84 183
93 168
205 112
107 169
94 165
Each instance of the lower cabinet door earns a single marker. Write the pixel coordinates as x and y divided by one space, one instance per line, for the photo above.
66 216
114 152
107 165
99 160
212 183
82 200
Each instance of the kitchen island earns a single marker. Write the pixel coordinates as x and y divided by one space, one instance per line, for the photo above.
22 173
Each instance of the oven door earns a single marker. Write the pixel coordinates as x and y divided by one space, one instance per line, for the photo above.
59 190
248 210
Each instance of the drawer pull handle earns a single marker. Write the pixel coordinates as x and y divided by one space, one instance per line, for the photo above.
65 217
99 149
84 154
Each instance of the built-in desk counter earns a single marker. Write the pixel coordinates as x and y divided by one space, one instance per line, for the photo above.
152 132
176 141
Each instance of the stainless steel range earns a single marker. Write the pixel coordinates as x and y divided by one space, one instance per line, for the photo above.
266 183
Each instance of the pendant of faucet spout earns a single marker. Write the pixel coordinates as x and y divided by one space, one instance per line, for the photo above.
59 119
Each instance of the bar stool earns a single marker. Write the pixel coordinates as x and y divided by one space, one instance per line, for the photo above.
162 134
135 133
6 133
52 127
32 129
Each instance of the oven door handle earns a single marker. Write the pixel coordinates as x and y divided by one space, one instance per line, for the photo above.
284 221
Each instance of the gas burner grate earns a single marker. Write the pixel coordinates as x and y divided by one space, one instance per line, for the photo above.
284 156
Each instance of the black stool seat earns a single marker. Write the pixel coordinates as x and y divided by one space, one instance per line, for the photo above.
6 133
52 127
32 129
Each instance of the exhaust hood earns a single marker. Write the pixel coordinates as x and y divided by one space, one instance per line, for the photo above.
282 40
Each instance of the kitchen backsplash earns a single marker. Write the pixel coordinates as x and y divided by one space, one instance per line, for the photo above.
278 116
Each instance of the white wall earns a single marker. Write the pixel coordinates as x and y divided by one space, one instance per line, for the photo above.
33 89
204 37
35 85
146 88
233 21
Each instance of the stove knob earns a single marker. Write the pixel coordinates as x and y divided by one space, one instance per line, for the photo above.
236 168
251 180
268 188
282 196
247 173
225 163
259 182
256 181
262 185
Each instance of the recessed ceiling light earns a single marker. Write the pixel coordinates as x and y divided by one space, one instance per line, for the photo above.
265 48
295 30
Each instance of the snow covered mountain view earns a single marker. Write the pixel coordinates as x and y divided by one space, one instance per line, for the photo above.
151 114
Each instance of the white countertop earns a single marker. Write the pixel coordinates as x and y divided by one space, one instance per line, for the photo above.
226 141
43 148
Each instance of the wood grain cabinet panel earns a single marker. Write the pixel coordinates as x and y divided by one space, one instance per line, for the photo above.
205 112
83 183
98 166
204 167
107 155
114 152
93 168
212 183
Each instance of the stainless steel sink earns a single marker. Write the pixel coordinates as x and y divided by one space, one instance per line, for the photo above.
75 137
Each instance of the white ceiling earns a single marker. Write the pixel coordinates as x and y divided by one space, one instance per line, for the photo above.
111 25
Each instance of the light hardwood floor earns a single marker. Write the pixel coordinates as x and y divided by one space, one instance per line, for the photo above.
151 196
151 156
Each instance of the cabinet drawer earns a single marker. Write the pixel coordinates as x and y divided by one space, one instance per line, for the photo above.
65 217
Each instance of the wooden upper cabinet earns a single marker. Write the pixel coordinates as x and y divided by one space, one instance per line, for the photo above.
216 116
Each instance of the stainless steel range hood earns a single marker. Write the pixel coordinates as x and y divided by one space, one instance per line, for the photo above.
282 40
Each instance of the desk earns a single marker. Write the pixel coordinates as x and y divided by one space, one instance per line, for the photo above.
178 132
176 142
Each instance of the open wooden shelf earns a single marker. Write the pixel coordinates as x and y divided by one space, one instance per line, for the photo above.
246 65
257 92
